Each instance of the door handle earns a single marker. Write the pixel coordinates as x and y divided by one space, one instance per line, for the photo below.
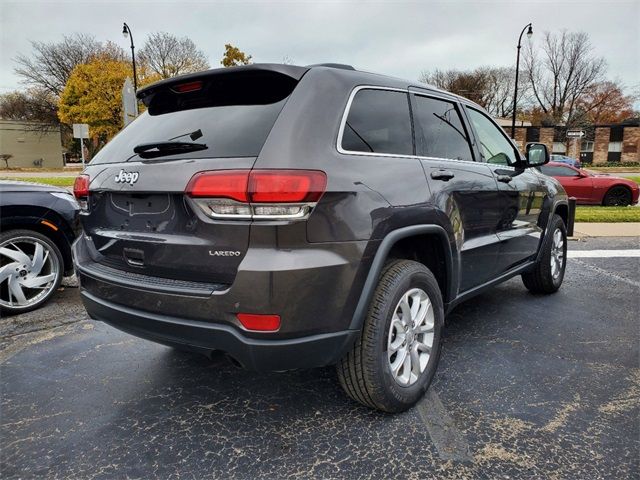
504 178
444 175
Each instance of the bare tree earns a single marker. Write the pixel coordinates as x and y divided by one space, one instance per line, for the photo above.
169 56
489 87
562 71
500 86
46 72
50 64
471 84
34 104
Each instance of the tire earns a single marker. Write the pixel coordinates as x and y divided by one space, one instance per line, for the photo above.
365 373
548 273
617 196
31 269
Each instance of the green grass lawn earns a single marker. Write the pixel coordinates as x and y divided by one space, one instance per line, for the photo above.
55 181
635 179
607 214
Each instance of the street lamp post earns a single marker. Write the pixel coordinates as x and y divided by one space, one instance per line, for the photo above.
126 31
515 93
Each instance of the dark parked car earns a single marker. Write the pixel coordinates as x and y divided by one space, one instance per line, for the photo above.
593 188
566 160
296 217
38 224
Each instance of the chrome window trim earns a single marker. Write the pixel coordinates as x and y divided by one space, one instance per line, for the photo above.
343 123
345 114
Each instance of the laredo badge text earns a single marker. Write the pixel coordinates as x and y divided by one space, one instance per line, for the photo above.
224 253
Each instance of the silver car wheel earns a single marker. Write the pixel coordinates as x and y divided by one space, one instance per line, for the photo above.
29 270
557 254
410 338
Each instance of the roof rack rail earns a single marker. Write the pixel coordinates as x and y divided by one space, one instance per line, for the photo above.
341 66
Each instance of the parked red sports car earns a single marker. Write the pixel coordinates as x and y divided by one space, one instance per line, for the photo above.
593 188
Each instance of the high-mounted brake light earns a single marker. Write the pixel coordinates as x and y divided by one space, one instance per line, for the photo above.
81 186
258 194
187 87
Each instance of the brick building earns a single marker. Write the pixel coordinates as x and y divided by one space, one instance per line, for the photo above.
619 143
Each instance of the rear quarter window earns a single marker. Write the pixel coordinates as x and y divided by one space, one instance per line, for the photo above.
378 121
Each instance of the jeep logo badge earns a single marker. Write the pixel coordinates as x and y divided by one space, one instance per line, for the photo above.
127 177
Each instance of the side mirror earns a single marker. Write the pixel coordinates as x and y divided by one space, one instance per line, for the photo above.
537 154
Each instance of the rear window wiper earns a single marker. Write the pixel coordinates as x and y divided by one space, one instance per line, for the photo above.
193 135
159 149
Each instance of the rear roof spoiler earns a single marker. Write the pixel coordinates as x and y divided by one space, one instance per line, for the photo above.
291 71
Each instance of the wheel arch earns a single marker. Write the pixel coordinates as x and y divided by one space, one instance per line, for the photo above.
40 225
401 241
565 208
616 185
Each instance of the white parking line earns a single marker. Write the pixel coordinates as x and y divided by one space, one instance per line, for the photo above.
603 253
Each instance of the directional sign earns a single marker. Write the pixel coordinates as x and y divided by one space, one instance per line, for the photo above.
575 133
80 130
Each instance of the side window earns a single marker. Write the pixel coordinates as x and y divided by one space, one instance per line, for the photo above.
439 130
494 145
554 171
379 122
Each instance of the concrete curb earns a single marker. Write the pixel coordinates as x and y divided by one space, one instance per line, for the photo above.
620 229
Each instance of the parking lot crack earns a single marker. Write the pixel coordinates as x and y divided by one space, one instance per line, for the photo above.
20 342
561 417
626 400
602 271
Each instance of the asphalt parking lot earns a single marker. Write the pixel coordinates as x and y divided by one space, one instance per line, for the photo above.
535 387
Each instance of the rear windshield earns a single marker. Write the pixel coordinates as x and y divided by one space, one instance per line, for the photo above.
232 119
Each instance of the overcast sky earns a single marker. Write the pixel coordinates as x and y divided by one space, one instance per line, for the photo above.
392 37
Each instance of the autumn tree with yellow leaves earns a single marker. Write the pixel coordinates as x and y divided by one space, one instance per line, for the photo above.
233 57
93 95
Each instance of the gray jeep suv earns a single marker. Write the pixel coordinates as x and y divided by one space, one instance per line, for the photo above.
295 217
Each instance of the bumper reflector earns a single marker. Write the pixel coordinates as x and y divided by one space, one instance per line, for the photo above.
258 322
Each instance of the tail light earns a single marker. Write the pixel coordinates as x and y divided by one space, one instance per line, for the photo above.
81 186
81 190
286 186
257 194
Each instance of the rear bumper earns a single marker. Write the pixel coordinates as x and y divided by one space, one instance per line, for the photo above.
251 353
313 289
